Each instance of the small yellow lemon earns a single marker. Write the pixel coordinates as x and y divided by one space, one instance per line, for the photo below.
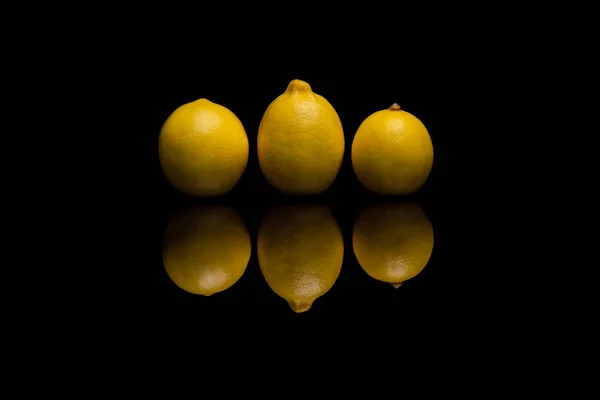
300 252
203 149
206 249
392 242
392 152
300 141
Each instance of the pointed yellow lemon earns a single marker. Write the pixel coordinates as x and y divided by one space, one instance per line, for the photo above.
300 141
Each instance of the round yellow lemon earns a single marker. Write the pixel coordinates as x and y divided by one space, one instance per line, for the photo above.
300 141
392 152
203 149
392 242
300 252
206 249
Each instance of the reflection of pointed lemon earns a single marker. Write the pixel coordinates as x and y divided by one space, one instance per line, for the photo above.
392 242
300 251
206 249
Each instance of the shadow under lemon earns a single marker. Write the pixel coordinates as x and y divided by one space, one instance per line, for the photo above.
206 249
300 253
392 242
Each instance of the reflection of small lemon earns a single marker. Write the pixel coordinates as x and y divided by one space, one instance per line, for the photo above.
206 249
392 242
300 251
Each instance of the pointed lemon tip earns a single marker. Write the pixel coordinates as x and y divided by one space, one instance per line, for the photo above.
299 86
299 306
396 285
394 107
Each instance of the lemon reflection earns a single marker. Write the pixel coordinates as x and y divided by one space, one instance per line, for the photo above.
392 242
206 249
300 252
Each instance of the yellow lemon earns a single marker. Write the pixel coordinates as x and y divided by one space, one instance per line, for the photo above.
300 141
206 249
392 242
392 153
300 252
203 149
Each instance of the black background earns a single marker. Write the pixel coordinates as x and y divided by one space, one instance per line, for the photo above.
448 290
355 296
445 72
459 297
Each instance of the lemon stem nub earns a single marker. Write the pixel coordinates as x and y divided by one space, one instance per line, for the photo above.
394 107
299 306
298 86
396 285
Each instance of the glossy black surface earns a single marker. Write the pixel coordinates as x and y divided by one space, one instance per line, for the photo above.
354 294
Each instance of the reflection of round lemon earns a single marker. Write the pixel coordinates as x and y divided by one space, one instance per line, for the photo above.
300 252
206 249
392 152
203 149
392 242
300 141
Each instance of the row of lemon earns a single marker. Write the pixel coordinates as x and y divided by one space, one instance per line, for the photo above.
300 248
203 147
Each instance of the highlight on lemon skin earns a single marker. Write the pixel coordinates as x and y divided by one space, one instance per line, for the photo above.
300 141
203 149
300 253
393 242
206 249
392 152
